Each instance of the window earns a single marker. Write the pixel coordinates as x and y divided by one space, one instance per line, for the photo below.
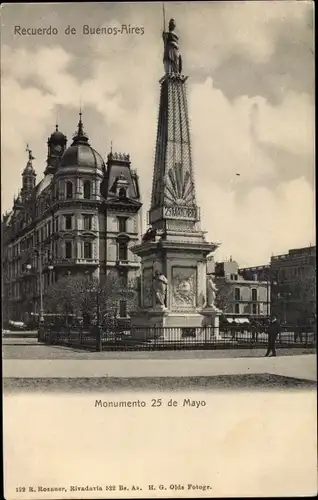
68 221
123 279
122 193
122 224
237 308
87 190
69 190
237 294
68 250
56 224
122 308
87 250
88 222
254 308
50 227
122 251
254 295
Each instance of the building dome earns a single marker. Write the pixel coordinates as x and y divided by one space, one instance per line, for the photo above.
80 153
57 137
28 170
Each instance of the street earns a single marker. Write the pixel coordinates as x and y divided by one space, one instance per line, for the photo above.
31 349
61 368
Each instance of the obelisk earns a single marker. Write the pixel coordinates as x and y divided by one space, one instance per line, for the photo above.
174 250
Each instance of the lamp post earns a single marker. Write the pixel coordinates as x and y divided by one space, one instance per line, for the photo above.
97 305
282 296
40 254
270 282
97 326
267 296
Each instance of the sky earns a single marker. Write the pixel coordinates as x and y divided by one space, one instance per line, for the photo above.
251 105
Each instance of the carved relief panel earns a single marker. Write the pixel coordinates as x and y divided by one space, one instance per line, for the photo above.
147 287
184 287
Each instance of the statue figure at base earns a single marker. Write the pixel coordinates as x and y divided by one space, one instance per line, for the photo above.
160 289
211 294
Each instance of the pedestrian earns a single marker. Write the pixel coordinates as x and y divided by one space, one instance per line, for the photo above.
273 331
254 330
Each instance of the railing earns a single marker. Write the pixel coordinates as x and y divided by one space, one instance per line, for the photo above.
72 261
74 337
152 338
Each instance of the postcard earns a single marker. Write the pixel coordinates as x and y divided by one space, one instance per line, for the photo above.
158 250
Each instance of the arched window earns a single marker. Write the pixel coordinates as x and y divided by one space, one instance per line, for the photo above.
69 190
87 190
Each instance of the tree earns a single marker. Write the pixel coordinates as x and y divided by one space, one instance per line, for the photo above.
224 294
87 295
115 289
68 295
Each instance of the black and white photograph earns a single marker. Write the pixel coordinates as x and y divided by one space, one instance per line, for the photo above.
158 249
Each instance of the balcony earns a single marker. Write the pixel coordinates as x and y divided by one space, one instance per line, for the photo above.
75 262
122 262
126 263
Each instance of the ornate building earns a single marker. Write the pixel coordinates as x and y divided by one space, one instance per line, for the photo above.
81 218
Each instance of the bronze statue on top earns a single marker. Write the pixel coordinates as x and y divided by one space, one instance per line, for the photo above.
29 151
171 58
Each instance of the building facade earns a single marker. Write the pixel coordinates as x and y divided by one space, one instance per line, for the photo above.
291 279
294 296
239 294
81 218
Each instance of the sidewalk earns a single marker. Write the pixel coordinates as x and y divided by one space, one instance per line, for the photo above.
300 367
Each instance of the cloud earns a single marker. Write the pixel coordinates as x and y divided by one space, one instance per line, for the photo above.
258 212
262 223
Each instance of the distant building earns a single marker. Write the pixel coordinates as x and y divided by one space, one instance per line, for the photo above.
239 295
291 279
83 217
294 293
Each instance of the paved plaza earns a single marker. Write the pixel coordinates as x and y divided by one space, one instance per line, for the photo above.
175 368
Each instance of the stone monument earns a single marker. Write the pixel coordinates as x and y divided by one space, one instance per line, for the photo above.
174 250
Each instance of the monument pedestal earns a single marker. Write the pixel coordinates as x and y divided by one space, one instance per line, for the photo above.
212 319
156 323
